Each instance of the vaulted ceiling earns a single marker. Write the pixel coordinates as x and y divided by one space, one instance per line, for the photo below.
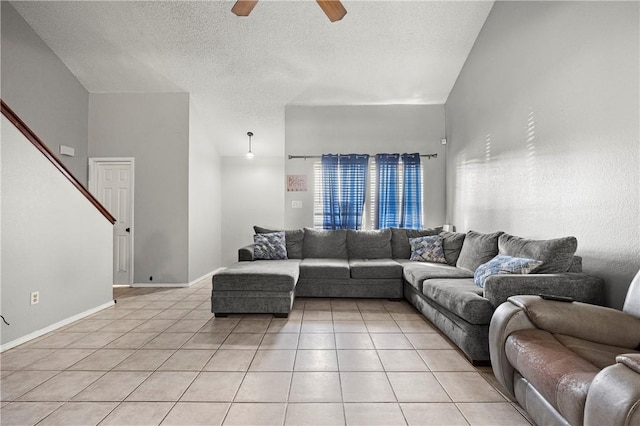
242 72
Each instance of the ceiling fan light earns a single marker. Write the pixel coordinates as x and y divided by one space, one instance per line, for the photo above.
244 7
334 10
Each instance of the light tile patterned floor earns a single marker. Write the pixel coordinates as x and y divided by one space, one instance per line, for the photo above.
159 357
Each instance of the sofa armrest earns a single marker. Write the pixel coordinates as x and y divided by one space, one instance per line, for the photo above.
246 253
581 287
589 322
507 319
632 361
614 394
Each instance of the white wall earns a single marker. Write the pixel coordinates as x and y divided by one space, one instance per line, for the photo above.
252 194
543 129
53 241
43 92
154 129
205 199
317 130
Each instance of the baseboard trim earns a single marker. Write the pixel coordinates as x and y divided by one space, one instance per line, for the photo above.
55 326
205 276
160 285
189 284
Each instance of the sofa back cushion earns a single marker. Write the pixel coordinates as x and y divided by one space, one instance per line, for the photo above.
556 254
400 248
576 264
331 244
477 249
369 244
293 240
452 244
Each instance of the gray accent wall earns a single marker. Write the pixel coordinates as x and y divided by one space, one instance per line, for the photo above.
154 129
370 129
205 199
252 194
543 130
43 92
54 241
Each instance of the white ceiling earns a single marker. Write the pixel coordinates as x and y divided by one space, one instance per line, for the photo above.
241 72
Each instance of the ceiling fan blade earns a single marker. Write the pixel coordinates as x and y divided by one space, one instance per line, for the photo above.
334 10
244 7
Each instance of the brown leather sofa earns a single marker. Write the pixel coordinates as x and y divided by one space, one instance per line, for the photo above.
570 363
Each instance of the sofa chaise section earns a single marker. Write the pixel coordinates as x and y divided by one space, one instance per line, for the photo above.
262 286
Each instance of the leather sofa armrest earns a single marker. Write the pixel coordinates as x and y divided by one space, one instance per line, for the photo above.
589 322
632 361
614 394
507 319
581 287
246 253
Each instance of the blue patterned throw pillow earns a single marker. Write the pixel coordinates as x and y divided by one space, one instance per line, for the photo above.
270 246
427 249
502 264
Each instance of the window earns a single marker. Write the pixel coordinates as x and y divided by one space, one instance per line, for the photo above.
344 179
411 198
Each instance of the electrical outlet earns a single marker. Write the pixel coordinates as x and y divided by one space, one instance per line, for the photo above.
35 297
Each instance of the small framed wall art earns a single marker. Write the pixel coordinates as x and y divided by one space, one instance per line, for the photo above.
296 183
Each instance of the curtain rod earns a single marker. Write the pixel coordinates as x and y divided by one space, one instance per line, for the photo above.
304 157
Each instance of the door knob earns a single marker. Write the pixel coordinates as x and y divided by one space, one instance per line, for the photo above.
128 229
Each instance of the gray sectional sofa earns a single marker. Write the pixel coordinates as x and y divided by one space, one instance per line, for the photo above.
376 264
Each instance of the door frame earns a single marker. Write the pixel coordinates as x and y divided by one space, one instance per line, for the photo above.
94 162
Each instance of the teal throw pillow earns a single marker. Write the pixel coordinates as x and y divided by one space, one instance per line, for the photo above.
427 249
502 264
270 246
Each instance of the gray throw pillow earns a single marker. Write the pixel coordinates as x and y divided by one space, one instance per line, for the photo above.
556 254
330 244
478 249
293 239
400 247
369 244
452 242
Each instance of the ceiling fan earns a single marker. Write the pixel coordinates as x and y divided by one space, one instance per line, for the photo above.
334 10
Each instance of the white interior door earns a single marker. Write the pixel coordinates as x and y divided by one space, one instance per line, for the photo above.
111 182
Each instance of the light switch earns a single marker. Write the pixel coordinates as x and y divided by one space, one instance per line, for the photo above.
296 204
67 150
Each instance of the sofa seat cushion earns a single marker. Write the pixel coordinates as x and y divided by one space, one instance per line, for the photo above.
325 268
259 275
416 272
460 296
559 374
375 268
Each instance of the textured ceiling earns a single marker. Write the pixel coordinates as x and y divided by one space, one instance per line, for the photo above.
241 72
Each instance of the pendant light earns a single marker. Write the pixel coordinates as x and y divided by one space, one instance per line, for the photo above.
250 153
